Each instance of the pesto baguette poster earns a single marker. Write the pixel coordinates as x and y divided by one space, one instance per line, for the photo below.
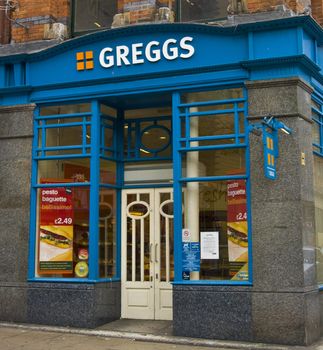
55 253
237 229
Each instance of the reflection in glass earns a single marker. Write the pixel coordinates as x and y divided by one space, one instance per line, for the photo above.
107 233
223 213
217 162
69 170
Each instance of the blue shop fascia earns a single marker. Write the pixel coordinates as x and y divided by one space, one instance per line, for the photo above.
146 181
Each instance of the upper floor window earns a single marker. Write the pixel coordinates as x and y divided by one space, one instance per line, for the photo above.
4 25
101 14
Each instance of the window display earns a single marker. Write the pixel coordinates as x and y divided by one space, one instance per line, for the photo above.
214 183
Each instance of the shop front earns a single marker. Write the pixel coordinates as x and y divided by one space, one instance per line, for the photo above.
149 198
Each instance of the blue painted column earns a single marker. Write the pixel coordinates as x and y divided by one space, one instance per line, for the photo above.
94 192
177 165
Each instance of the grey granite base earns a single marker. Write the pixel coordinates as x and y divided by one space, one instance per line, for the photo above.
236 313
60 304
74 305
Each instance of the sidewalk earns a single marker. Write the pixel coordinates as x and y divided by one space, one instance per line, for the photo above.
34 337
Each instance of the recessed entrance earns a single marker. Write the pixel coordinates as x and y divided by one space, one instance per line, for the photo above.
147 253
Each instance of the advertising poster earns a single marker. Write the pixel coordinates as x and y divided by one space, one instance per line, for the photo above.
55 254
237 229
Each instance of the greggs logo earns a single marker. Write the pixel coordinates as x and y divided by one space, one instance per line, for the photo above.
84 60
138 53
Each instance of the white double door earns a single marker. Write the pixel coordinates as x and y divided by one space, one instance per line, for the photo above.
147 254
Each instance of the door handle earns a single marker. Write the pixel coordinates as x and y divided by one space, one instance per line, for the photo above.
150 252
156 252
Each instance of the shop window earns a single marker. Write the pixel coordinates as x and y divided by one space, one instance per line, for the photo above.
102 14
213 176
63 152
4 24
317 133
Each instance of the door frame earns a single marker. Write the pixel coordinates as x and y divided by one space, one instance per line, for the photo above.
154 288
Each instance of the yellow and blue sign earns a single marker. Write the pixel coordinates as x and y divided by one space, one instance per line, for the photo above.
270 153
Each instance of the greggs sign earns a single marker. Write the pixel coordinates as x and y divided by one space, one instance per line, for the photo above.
137 53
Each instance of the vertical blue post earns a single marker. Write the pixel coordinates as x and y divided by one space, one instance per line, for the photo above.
120 179
249 214
177 190
33 204
94 192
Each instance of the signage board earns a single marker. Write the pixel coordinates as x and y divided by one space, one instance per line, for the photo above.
191 256
270 153
56 216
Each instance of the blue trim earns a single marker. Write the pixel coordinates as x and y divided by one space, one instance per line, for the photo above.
320 288
94 193
72 280
119 139
177 169
248 188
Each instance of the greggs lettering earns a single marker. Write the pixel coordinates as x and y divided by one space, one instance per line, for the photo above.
154 51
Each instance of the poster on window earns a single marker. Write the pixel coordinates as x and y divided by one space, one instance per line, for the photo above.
55 253
237 229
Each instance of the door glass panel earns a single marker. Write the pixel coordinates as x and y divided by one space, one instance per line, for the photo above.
138 237
166 237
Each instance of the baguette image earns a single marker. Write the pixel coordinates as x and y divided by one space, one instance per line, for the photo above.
238 233
57 236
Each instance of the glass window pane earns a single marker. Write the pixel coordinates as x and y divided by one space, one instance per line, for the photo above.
108 170
108 111
64 136
204 96
93 14
108 138
214 163
65 109
209 125
203 9
69 170
107 229
148 172
316 133
62 236
216 215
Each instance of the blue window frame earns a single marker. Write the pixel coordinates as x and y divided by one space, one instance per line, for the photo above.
212 113
75 140
317 117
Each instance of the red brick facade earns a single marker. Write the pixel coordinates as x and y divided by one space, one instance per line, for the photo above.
33 18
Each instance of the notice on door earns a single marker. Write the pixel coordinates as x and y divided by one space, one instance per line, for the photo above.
55 254
210 245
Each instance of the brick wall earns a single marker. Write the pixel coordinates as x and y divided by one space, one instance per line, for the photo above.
317 10
34 17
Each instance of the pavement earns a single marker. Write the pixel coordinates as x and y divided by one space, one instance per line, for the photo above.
144 335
